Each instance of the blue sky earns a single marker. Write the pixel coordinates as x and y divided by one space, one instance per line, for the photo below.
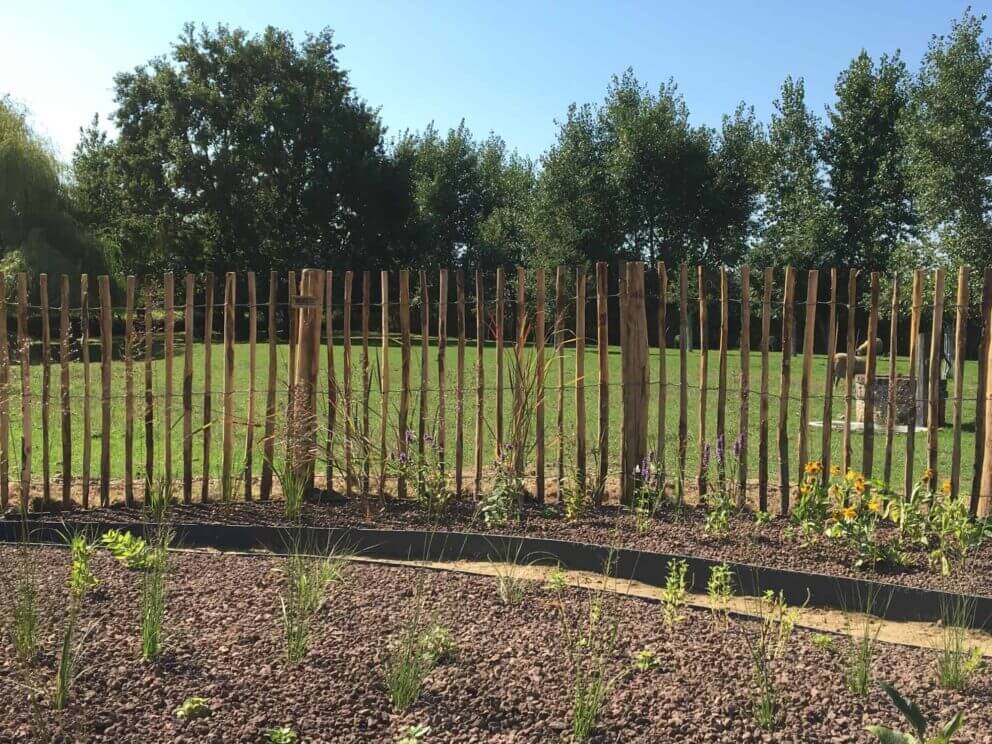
509 67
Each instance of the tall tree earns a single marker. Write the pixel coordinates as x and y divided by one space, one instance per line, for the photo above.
800 226
865 152
38 231
950 134
250 151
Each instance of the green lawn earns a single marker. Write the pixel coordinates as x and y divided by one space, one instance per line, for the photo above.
116 438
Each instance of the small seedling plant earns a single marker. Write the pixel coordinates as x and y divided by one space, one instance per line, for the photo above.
420 468
915 718
720 589
308 577
415 734
767 639
412 656
193 708
281 735
957 661
674 594
645 660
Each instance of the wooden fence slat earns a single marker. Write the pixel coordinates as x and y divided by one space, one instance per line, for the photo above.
106 355
603 354
539 383
933 417
65 399
227 447
250 419
366 383
868 440
560 354
169 291
721 395
384 376
425 335
580 375
981 393
916 311
149 413
308 314
24 347
4 398
128 390
500 291
519 423
480 330
812 290
460 381
766 327
622 302
291 313
636 377
745 385
683 375
268 435
890 414
784 391
349 474
332 384
189 342
960 333
46 386
208 339
404 410
703 379
852 313
442 376
662 368
829 381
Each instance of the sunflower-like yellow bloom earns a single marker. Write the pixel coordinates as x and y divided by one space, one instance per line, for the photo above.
859 484
875 505
848 513
946 487
814 468
927 475
835 470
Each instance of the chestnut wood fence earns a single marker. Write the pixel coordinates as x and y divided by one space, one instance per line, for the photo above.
316 402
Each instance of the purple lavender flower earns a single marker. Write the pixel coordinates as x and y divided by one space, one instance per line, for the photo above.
409 437
720 451
739 445
706 457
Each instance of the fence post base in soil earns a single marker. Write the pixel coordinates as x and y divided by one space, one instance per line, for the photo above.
896 602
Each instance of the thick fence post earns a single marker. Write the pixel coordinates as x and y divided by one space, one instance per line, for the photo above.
635 377
304 438
985 491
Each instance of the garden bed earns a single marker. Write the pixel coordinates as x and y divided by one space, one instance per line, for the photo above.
667 532
507 680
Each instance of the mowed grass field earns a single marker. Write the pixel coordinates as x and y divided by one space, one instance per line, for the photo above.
115 436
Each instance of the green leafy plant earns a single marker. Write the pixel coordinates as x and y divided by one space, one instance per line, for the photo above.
957 662
67 669
415 734
25 614
420 468
557 580
500 504
649 492
81 578
809 514
281 735
193 708
825 642
158 499
720 589
436 644
132 551
645 660
860 655
674 593
294 486
762 517
914 716
577 495
511 586
308 576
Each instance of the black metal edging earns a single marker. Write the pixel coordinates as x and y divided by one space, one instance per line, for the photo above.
891 601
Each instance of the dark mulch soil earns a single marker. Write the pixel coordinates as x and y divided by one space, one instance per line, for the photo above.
669 532
508 680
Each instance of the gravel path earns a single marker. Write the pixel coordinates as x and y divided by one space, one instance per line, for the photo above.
507 682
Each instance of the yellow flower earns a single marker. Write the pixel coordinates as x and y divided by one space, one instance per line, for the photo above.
894 513
835 470
859 484
946 487
875 505
927 475
804 489
851 475
814 468
848 513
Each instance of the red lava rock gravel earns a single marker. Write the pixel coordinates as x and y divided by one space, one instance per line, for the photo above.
508 680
